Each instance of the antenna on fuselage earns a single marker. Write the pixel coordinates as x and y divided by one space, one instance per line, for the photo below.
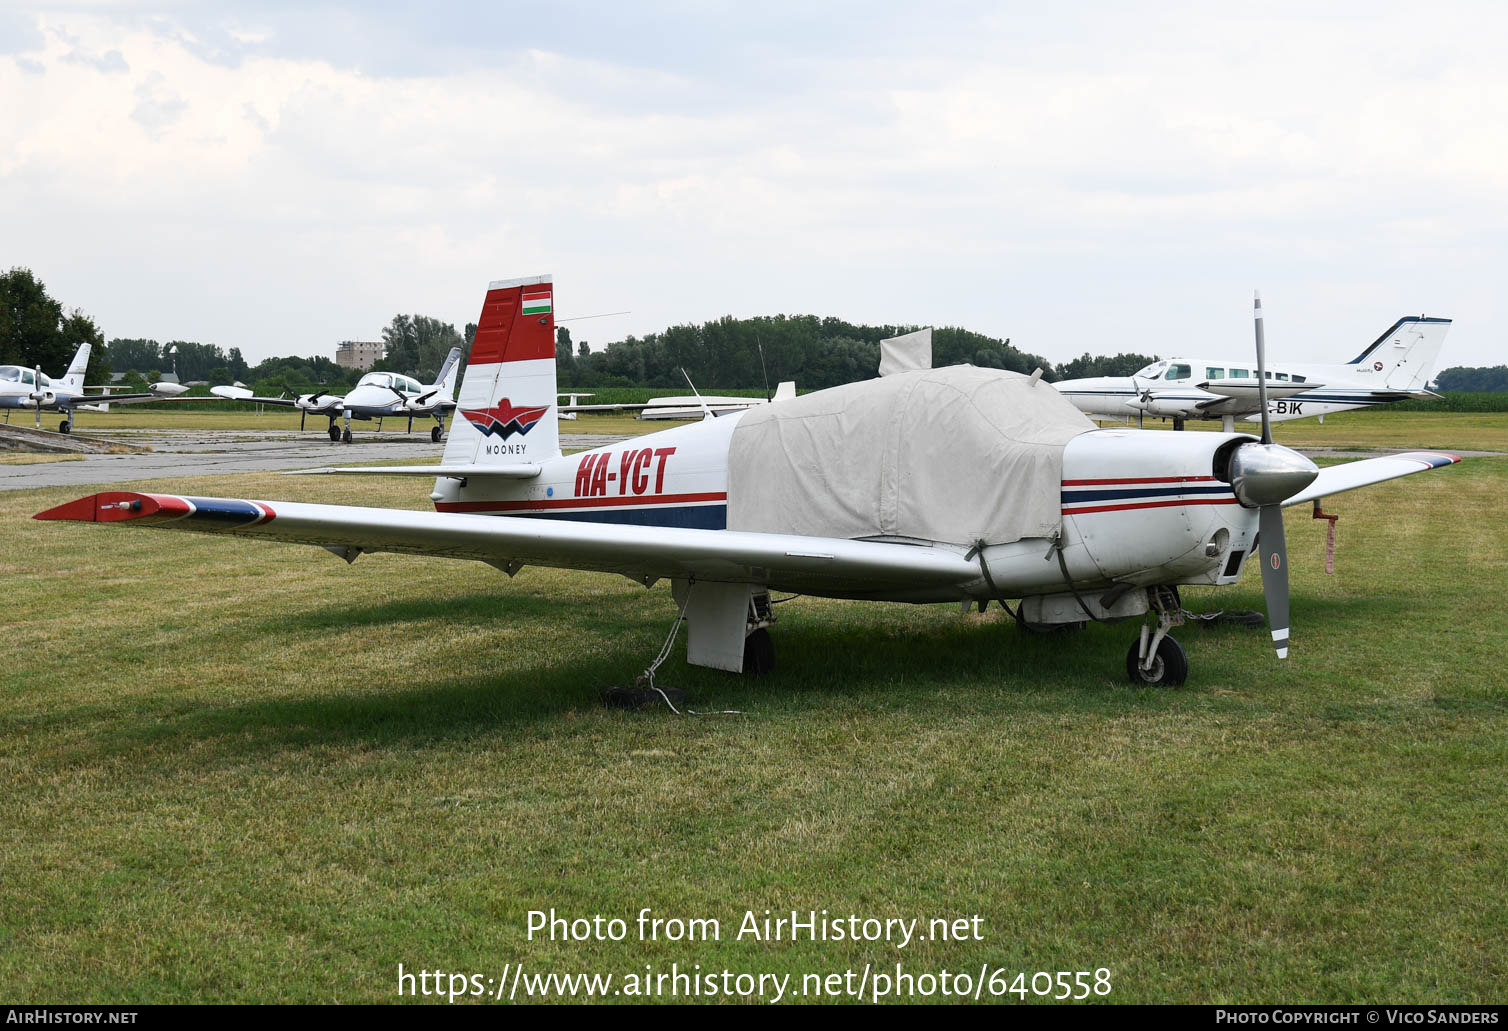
762 370
708 411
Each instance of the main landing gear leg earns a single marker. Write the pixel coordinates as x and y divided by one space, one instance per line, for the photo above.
1155 658
759 649
345 437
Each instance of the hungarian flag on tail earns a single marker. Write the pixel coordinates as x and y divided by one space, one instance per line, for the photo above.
537 302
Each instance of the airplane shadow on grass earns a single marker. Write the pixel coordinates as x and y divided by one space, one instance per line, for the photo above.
884 660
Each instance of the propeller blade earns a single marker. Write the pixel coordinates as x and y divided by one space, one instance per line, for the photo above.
1275 575
1262 369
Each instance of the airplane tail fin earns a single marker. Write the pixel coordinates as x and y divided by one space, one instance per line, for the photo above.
506 410
1404 357
445 379
74 377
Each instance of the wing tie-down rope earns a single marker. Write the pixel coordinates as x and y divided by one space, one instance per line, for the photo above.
647 678
1320 513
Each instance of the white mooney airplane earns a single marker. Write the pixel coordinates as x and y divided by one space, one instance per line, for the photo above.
377 395
934 485
21 387
1395 367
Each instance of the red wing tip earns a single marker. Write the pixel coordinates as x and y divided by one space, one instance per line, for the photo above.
80 510
109 507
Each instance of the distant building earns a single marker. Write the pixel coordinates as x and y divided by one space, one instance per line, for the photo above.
357 354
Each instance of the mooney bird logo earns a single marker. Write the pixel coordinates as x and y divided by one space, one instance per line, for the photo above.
503 420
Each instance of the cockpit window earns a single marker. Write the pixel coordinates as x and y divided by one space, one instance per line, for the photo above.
10 374
1152 371
1179 372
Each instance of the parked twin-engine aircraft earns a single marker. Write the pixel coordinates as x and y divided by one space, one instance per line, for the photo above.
930 485
377 395
1395 367
21 387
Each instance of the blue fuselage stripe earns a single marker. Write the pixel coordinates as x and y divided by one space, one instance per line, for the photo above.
1118 493
693 517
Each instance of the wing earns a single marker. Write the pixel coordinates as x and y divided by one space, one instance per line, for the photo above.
509 542
1338 478
132 399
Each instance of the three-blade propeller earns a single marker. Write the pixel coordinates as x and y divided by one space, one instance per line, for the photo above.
1264 476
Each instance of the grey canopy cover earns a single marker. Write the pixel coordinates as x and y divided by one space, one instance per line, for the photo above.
956 455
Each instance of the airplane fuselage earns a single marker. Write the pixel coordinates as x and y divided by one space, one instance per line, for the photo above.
1395 367
1137 507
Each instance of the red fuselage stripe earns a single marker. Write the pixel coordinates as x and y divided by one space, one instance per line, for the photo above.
545 504
1139 479
1149 504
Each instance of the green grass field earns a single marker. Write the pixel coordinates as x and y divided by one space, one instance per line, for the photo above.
1384 428
237 772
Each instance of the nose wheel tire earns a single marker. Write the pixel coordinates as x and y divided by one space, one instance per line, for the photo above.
1169 668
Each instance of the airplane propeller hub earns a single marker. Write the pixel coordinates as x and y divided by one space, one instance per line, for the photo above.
1269 474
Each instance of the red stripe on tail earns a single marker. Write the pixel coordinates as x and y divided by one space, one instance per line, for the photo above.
505 334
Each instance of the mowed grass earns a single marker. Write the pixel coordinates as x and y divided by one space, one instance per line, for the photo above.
233 771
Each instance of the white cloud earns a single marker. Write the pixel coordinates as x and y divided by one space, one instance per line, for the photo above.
1080 181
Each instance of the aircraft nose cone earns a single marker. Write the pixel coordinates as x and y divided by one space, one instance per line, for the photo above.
1269 474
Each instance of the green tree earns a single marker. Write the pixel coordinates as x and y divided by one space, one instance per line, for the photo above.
35 331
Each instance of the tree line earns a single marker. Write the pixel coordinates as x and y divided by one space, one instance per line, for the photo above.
814 351
722 354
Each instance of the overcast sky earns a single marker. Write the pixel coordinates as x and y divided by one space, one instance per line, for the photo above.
1074 176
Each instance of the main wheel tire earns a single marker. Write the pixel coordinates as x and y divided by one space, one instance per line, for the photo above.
1170 666
335 434
345 438
434 434
759 653
65 426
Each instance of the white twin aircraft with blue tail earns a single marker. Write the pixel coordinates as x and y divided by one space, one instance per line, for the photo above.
932 485
1396 367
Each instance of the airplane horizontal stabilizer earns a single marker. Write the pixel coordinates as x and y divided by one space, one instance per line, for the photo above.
519 471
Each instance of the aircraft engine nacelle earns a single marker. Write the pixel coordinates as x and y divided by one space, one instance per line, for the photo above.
1166 408
1158 514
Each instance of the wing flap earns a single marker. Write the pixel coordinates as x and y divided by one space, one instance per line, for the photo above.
786 561
1336 479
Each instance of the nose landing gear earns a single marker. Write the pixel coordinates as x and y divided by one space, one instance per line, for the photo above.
1155 658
